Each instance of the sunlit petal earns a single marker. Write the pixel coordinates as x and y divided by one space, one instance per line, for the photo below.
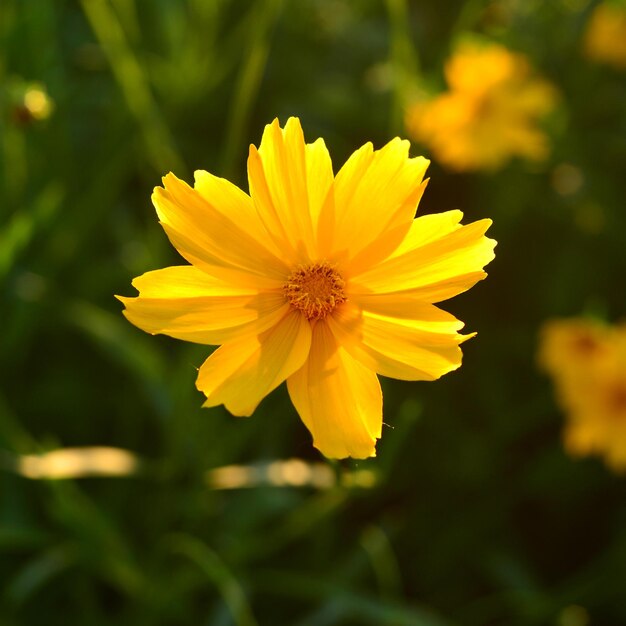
375 197
289 181
241 373
422 347
338 399
432 265
185 303
218 236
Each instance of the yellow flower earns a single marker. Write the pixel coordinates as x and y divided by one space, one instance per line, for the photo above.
489 113
605 36
569 346
587 361
319 280
37 102
30 101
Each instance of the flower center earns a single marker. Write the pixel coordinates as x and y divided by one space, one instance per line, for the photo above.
315 289
616 400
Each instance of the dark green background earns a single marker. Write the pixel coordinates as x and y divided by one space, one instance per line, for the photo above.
478 516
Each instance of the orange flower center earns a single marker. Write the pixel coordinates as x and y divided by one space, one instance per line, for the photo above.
315 289
616 400
585 343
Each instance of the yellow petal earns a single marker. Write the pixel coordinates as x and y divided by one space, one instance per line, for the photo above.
427 228
241 373
198 256
214 236
440 291
443 261
405 306
235 205
422 347
185 281
289 182
319 174
185 303
338 399
375 193
382 247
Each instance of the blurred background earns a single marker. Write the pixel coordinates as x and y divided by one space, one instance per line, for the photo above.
121 500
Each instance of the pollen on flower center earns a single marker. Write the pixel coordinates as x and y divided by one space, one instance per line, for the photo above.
315 289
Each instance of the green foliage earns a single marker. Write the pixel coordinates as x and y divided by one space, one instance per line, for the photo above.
477 516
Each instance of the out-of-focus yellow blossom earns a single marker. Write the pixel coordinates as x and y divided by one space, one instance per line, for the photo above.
31 103
323 281
568 345
605 36
489 113
587 361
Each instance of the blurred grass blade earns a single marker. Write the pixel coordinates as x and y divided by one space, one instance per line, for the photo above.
249 79
384 562
215 569
355 607
134 85
407 416
13 153
13 435
127 11
112 334
14 537
404 61
103 185
469 14
24 224
102 546
297 524
38 572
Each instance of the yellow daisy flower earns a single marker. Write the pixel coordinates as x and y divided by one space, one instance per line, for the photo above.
489 113
587 361
605 35
568 347
320 280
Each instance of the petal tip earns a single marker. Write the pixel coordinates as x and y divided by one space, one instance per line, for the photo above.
465 338
237 411
170 177
198 174
274 125
293 121
346 451
253 153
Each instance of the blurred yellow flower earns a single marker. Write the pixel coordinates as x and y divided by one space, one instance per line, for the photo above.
605 35
587 361
489 113
31 101
316 279
38 103
568 346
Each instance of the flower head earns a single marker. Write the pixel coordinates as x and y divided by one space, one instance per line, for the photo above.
587 361
30 101
489 113
320 280
605 35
